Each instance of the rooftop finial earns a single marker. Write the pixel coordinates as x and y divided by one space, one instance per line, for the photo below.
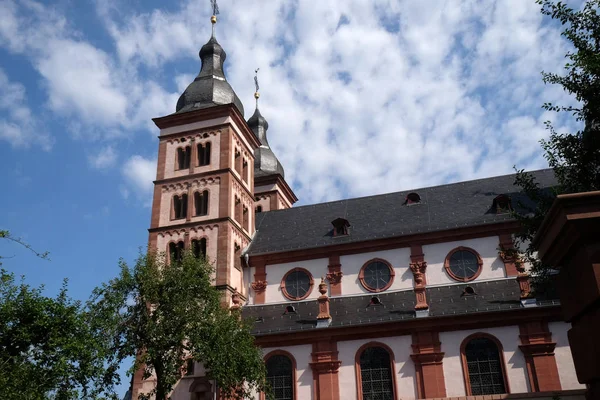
215 11
256 94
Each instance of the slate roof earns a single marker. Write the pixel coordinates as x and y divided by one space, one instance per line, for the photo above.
442 207
498 295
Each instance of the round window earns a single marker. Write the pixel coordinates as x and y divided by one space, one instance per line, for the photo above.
297 284
463 264
376 275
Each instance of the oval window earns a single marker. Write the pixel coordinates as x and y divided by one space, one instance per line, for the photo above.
463 264
297 284
376 275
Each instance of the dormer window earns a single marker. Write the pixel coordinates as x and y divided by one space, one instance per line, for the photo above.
502 204
412 198
290 310
340 226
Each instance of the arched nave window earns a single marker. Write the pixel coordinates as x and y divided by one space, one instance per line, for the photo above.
483 365
281 376
375 375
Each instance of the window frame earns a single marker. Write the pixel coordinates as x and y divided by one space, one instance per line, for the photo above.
186 152
358 371
310 287
361 275
456 277
465 367
197 197
294 381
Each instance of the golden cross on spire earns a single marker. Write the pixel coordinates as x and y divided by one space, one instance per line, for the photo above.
215 11
256 94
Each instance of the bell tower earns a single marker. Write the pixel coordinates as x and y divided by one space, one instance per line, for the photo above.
203 193
271 191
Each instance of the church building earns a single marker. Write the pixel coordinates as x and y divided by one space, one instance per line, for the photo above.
406 295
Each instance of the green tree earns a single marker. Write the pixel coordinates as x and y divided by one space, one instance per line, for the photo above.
172 313
47 347
574 157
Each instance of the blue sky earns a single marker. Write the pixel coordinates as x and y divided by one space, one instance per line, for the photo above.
361 98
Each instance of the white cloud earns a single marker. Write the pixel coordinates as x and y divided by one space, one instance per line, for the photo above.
139 173
401 94
105 158
18 125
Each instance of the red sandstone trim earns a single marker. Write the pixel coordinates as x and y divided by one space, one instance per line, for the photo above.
226 110
458 278
278 180
359 393
285 292
334 275
260 283
361 275
418 266
427 357
463 358
510 265
538 348
325 366
291 357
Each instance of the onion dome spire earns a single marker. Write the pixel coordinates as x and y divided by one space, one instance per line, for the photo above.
265 162
210 88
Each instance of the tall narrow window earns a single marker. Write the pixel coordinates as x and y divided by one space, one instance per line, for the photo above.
280 376
204 154
201 203
199 248
176 251
245 170
238 210
258 209
246 218
180 206
238 161
183 157
483 366
376 379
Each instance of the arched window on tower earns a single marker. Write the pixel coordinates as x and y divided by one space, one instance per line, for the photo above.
183 157
245 170
176 251
201 203
246 218
376 376
180 206
483 365
280 376
199 248
204 154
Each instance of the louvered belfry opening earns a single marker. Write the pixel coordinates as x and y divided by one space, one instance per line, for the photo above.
376 374
484 366
280 377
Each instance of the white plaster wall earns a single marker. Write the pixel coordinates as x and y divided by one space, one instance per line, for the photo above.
516 369
564 358
404 367
435 254
398 258
304 377
275 273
